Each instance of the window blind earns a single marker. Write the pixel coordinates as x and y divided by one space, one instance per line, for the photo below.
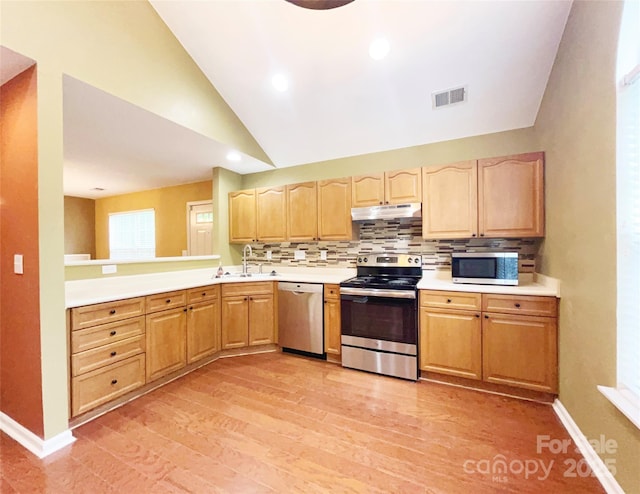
132 235
628 236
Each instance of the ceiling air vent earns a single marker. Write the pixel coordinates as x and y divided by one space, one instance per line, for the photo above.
449 97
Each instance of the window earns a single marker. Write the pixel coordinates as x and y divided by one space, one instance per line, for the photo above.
132 235
626 394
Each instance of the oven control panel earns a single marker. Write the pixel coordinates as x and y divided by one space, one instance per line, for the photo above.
386 260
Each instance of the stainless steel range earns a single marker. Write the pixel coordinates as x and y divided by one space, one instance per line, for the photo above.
379 315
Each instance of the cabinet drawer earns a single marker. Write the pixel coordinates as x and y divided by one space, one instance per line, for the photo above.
86 339
203 294
92 315
105 355
237 289
332 291
167 300
450 300
520 304
105 384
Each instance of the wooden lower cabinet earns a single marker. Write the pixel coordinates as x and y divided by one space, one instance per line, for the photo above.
248 314
514 345
203 330
107 383
520 351
166 337
332 322
451 342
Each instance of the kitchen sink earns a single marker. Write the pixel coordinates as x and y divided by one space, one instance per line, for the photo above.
248 276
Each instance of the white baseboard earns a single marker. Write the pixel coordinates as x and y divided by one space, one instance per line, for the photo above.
30 441
598 467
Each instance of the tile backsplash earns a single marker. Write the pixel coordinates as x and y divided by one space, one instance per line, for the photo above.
401 236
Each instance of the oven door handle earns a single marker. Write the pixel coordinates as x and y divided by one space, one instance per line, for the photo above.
376 292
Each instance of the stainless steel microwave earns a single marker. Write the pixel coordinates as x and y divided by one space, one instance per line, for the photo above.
485 268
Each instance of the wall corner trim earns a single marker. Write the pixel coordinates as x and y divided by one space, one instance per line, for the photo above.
598 467
32 442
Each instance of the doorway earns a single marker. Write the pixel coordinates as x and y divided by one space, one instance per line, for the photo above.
199 228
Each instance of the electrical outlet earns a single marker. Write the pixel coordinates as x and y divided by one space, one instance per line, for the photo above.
323 255
299 255
109 269
268 255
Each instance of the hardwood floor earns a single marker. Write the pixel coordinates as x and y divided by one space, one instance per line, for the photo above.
281 423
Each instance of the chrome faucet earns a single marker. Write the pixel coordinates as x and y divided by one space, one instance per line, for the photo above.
245 270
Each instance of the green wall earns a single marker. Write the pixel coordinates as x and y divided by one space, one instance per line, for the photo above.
576 126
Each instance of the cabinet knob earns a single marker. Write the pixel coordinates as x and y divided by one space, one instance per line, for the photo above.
246 298
477 315
448 300
517 306
482 234
386 202
473 234
184 310
114 381
112 311
325 301
486 316
380 202
168 300
113 354
113 333
204 294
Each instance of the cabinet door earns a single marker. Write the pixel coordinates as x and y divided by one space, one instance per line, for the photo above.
242 216
334 209
511 196
302 212
451 342
450 201
271 214
367 190
235 322
166 337
332 327
520 351
261 320
203 330
403 186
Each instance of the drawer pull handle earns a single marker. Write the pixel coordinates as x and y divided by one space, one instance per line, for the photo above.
112 311
168 300
448 300
114 381
113 333
113 354
517 306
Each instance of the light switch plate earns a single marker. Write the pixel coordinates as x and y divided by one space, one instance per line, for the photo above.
299 255
323 255
18 264
109 269
268 255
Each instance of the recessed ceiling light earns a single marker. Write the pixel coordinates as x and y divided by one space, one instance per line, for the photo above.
280 82
98 189
234 156
379 48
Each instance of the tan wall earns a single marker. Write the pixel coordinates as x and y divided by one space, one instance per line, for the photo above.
20 373
485 146
170 205
79 226
576 127
125 49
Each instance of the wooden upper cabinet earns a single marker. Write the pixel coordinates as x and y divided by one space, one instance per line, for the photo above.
394 187
403 186
511 196
271 214
367 190
334 209
242 216
450 201
302 212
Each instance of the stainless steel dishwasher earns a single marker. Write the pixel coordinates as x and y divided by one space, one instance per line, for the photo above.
300 318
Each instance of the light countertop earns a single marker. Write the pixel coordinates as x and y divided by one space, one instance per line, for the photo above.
97 290
528 284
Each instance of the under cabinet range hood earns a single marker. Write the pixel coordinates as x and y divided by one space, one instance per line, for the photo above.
387 212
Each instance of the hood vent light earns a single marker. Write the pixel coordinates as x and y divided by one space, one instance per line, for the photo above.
390 212
449 97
